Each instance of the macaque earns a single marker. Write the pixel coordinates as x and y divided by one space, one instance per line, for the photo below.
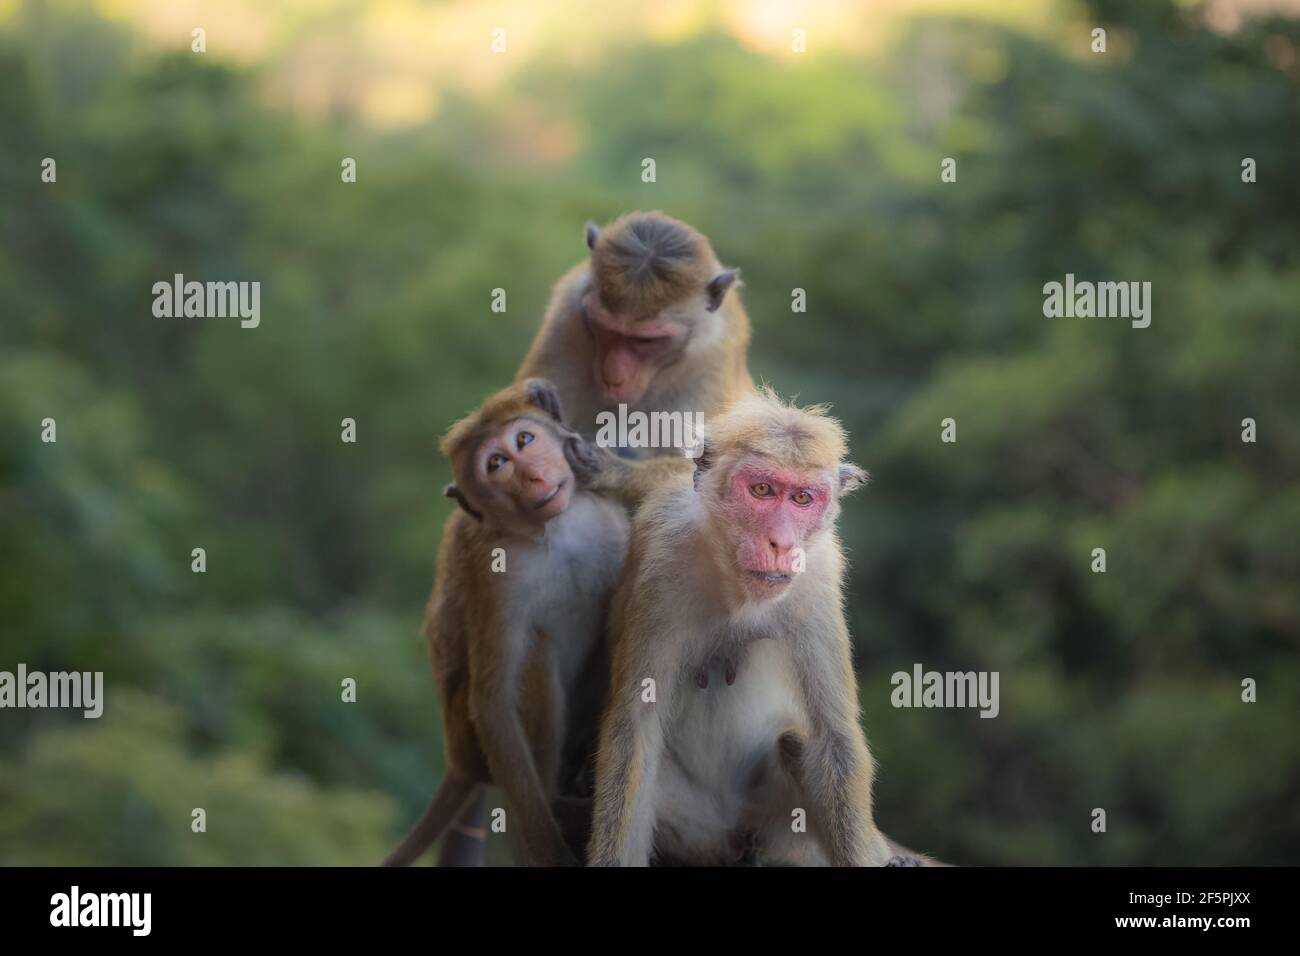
516 620
731 727
650 321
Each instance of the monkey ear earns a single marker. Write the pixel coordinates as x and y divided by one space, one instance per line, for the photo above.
545 396
593 233
703 459
451 491
718 286
851 477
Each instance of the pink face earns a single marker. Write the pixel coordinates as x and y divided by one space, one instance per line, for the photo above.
773 513
522 467
629 351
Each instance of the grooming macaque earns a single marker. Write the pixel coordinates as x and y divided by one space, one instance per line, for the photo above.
733 712
516 619
645 322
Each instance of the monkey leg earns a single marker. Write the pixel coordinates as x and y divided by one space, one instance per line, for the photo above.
466 841
448 802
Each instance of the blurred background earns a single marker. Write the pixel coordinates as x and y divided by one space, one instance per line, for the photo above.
818 171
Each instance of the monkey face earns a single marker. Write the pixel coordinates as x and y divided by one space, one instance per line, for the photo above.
520 474
772 514
629 352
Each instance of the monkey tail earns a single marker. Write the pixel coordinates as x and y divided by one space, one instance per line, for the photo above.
448 801
466 840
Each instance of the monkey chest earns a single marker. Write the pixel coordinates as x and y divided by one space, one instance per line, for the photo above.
731 709
568 595
567 628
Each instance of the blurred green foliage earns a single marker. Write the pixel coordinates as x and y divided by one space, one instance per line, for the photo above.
1119 691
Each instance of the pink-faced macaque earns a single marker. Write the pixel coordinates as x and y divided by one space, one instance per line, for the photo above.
731 726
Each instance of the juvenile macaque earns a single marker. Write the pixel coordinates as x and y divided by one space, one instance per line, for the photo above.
645 322
516 618
732 714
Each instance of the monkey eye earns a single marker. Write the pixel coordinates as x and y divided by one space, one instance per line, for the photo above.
523 439
802 499
761 490
495 462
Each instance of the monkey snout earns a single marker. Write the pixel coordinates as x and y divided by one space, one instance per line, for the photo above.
623 374
782 556
762 559
551 495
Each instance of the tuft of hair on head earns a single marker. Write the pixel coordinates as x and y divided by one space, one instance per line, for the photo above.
645 261
498 408
762 424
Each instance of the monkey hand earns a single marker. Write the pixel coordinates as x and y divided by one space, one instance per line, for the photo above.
588 461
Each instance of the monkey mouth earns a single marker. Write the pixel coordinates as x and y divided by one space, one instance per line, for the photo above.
772 577
554 491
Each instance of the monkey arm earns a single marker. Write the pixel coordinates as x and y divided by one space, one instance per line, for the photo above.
625 480
495 702
627 766
836 766
632 741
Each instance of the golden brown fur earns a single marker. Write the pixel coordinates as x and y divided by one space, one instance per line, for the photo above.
643 263
645 271
512 651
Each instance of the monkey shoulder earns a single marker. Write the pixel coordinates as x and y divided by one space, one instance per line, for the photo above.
466 541
566 295
569 288
662 551
562 339
670 509
448 612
